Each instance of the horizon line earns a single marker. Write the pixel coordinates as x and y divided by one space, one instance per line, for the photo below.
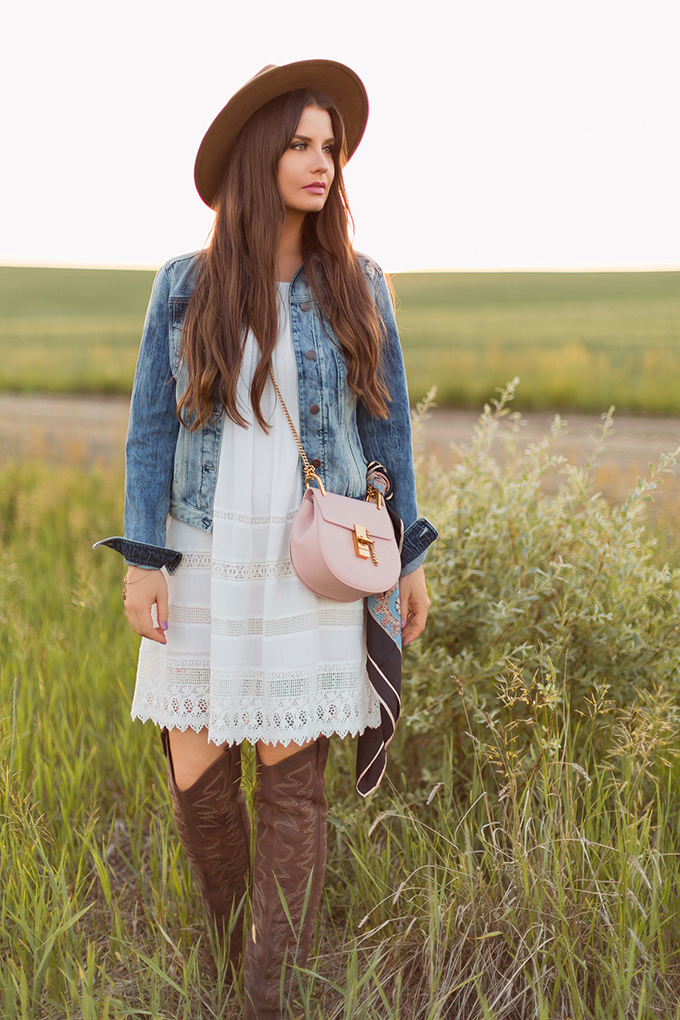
146 267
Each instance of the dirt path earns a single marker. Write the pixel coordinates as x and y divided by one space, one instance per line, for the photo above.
62 429
633 442
87 429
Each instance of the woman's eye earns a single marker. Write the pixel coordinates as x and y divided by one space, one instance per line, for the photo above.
300 146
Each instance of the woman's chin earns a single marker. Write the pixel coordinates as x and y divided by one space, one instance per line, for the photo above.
314 203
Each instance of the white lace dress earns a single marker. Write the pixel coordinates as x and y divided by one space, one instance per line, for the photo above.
251 653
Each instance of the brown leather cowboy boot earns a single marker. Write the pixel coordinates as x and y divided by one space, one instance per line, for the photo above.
214 829
290 861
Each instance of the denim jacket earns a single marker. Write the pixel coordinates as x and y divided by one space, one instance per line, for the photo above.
170 470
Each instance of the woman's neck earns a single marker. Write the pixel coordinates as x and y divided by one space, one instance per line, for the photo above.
289 257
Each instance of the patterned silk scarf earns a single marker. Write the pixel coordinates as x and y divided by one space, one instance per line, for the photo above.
383 659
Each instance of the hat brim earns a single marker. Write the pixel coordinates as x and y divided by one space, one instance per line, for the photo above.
337 81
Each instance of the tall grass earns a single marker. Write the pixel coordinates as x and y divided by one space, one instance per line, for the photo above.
521 861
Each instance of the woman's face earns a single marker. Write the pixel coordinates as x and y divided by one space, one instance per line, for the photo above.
306 169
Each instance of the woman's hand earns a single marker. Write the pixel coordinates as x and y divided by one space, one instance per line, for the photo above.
144 589
415 603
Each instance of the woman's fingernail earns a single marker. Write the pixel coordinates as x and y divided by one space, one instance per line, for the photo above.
403 624
165 625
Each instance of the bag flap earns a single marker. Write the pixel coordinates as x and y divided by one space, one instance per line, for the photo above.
345 512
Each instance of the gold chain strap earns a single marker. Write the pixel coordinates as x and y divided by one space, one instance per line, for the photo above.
371 491
309 468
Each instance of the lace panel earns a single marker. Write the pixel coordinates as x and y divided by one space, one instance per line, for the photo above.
195 561
298 624
266 571
199 615
236 518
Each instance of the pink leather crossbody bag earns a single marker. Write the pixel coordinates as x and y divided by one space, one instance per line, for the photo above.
341 548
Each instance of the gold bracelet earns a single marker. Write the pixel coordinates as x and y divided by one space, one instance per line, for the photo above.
126 582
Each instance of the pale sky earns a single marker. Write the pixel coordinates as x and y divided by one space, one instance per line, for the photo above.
525 134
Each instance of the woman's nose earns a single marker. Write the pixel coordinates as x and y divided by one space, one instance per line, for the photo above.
323 161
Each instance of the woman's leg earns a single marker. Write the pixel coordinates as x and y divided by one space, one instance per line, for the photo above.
271 754
192 754
213 826
289 864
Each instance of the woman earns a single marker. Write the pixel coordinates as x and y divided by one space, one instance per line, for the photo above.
234 647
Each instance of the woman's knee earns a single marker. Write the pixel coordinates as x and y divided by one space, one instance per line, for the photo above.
272 754
192 753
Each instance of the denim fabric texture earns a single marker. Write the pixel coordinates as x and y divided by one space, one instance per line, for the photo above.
172 470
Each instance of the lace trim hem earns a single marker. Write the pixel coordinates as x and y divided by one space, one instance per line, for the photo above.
339 706
223 737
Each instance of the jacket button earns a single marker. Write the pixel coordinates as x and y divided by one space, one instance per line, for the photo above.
305 306
314 409
311 355
316 463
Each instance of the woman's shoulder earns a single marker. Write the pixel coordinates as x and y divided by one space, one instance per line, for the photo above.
181 272
378 284
369 266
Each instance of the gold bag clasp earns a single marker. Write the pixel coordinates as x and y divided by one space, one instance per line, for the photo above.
364 545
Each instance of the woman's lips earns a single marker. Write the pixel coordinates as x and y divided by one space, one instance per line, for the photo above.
317 188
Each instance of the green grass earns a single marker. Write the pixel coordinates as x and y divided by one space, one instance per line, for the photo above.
71 330
578 341
524 865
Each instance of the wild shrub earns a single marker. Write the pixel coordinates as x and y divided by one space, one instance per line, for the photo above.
536 579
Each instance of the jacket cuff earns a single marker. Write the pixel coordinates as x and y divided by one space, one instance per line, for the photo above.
417 537
140 554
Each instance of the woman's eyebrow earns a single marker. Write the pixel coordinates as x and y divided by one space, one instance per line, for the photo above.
304 138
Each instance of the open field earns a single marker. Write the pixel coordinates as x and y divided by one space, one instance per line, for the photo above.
578 341
522 860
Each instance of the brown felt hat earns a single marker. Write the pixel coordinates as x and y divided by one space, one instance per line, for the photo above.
337 81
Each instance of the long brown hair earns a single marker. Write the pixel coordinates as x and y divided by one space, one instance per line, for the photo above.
236 286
